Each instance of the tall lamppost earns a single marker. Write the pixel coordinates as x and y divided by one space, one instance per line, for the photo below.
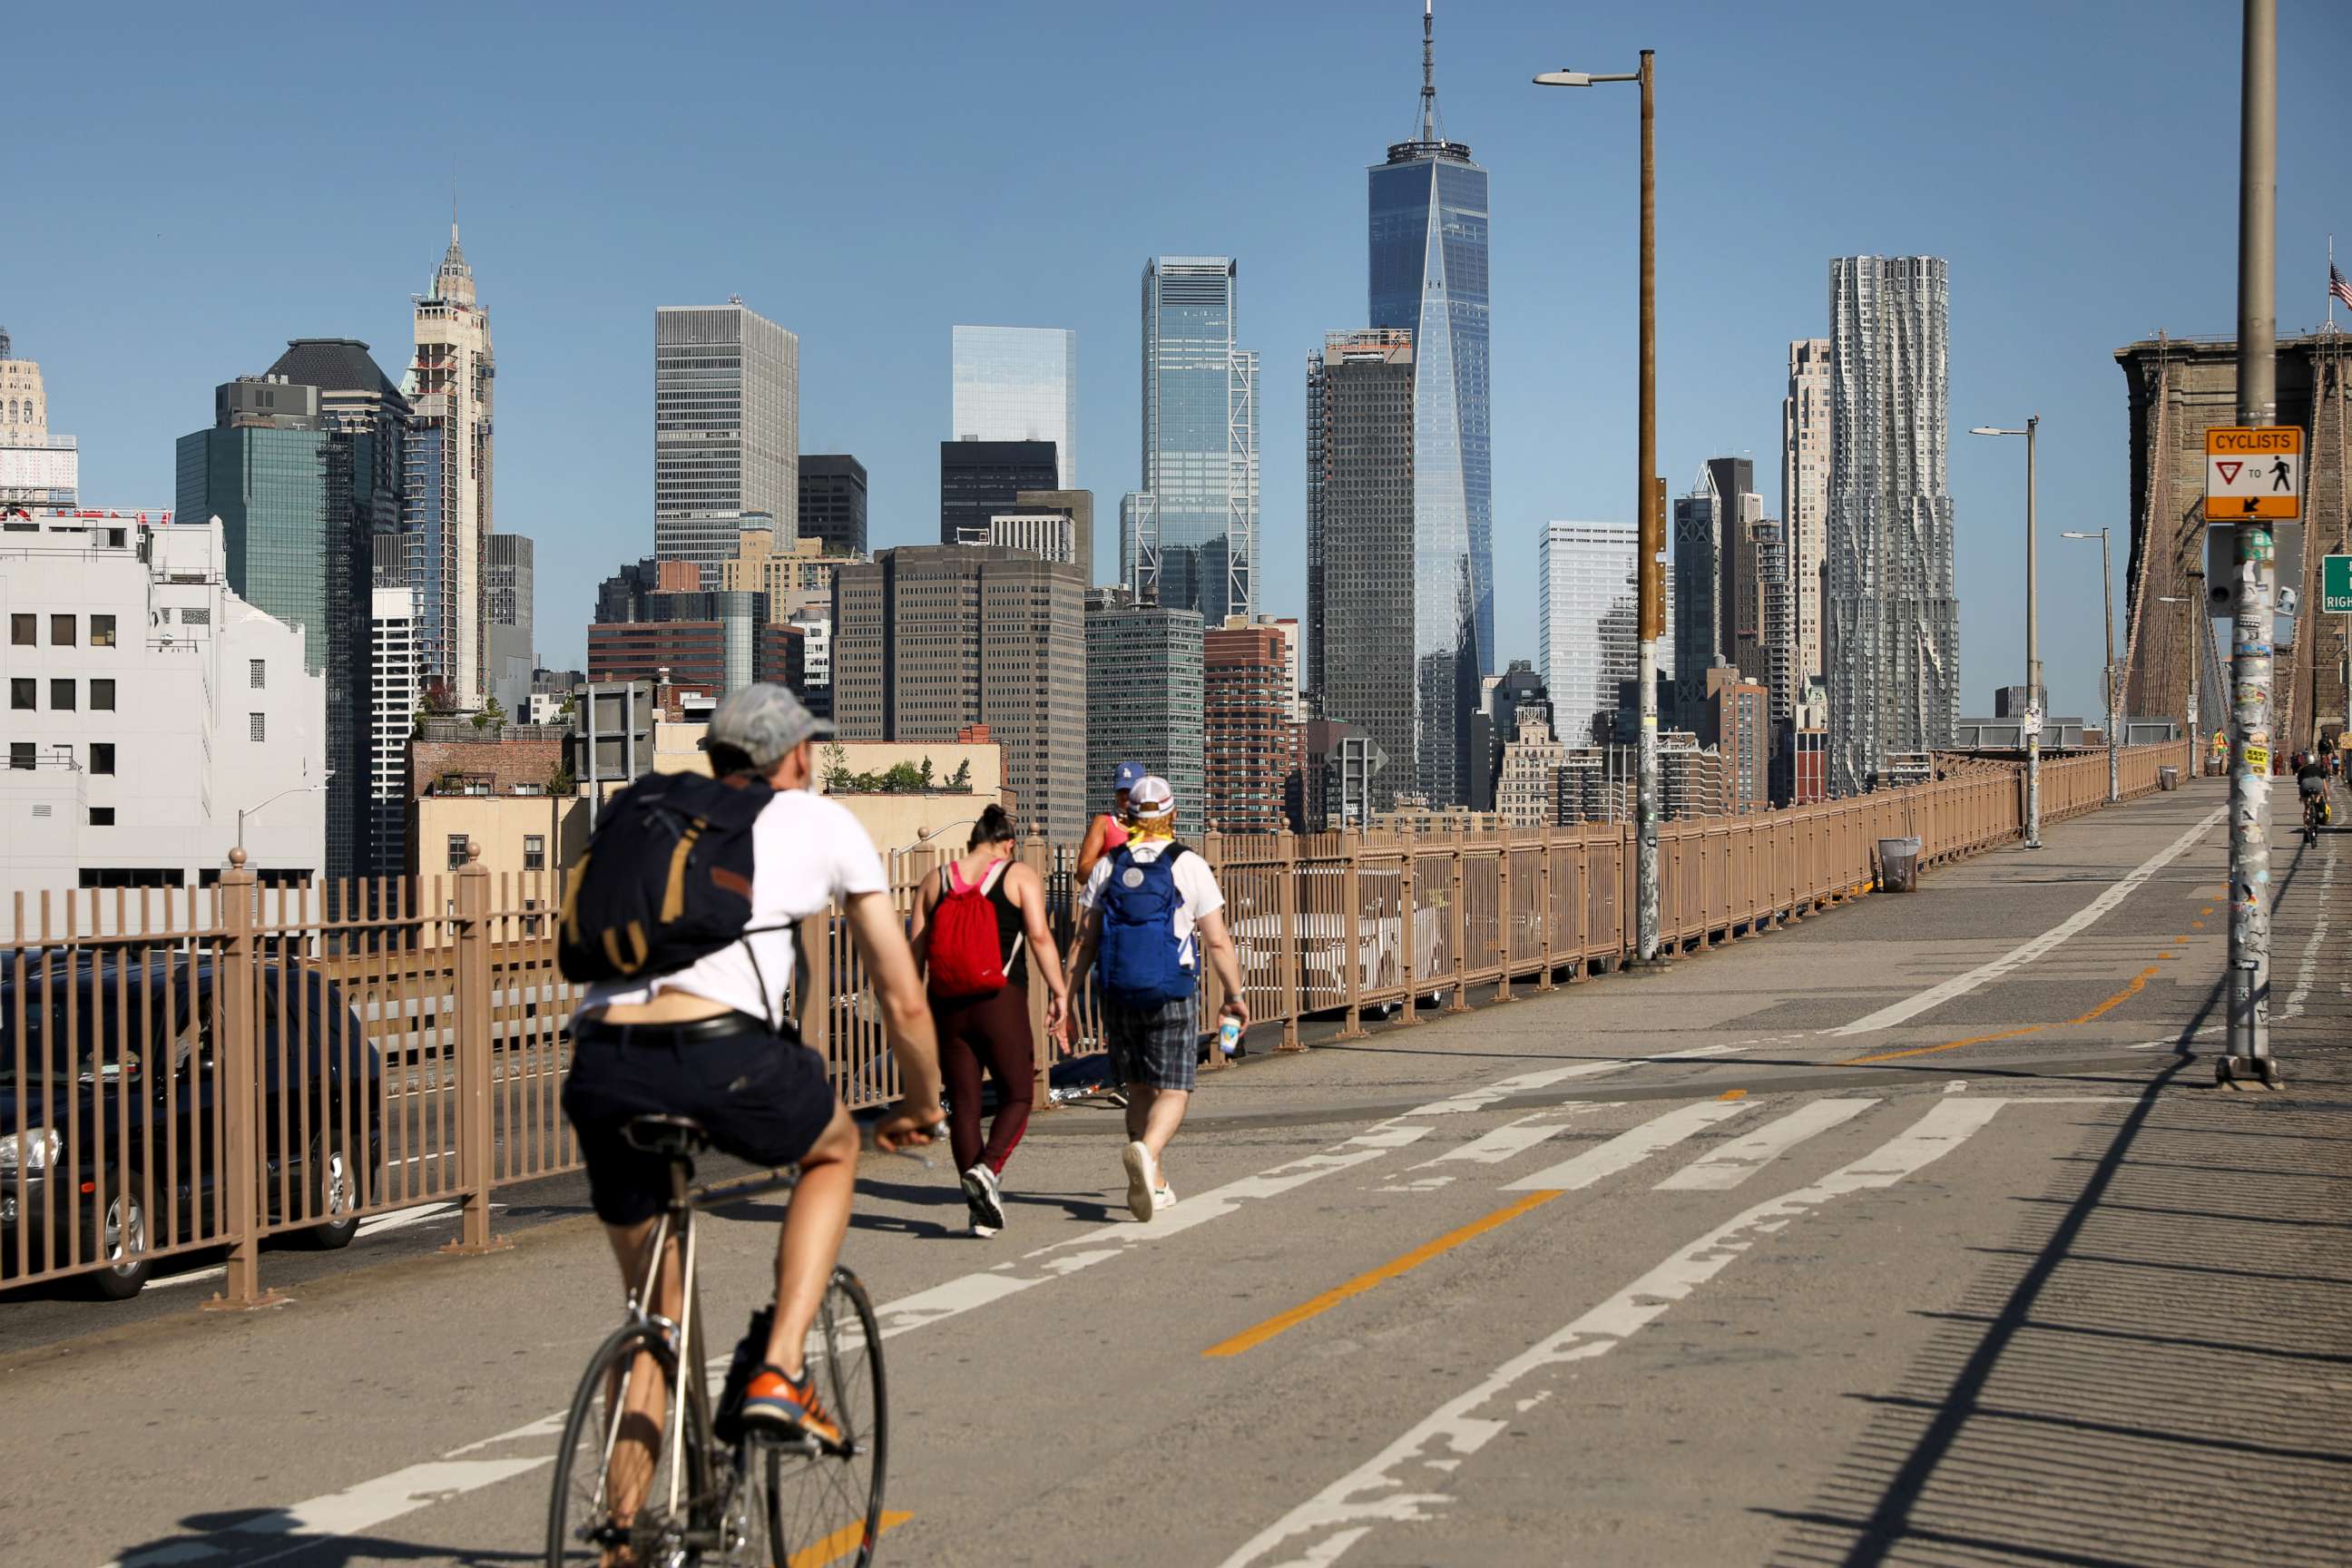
1650 582
2107 590
2195 673
2032 723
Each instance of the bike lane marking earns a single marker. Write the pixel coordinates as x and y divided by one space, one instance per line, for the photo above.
1936 996
1401 1483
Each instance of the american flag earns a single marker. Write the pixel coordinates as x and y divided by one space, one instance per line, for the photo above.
2337 286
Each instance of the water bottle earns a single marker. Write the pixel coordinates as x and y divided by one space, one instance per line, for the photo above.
1228 1034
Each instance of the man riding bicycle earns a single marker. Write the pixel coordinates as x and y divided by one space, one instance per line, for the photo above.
711 1041
2311 780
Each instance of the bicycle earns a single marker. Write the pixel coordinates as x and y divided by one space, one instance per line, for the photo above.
814 1501
2315 811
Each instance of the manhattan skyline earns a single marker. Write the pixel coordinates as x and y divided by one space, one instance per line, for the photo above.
578 222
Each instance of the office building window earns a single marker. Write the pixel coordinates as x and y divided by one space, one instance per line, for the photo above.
20 756
62 694
22 629
256 726
456 851
61 631
101 631
102 696
534 852
21 692
102 756
257 674
101 816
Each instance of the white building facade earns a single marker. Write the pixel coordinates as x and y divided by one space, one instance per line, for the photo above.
36 468
395 687
148 705
727 432
1805 425
450 390
1586 628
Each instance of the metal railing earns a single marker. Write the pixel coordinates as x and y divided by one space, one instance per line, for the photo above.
221 1068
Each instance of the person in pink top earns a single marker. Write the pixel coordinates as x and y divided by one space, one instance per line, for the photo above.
1108 833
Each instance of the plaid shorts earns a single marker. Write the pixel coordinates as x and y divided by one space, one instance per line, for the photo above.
1157 1046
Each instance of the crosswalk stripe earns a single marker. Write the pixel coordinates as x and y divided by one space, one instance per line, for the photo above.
1514 1138
1735 1162
1630 1148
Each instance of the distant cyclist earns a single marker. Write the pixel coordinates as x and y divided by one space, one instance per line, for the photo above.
2311 781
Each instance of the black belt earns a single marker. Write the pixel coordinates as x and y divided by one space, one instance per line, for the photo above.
724 1026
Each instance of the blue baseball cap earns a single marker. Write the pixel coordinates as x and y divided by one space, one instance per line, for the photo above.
1126 776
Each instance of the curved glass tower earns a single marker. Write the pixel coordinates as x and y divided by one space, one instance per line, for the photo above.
1428 253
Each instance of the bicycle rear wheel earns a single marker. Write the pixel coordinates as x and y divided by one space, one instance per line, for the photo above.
590 1490
824 1506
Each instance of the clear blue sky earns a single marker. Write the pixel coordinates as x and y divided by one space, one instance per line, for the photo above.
189 187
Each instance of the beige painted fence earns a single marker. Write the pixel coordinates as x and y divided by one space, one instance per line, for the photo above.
241 1067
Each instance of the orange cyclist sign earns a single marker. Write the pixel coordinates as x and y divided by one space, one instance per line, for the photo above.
2253 473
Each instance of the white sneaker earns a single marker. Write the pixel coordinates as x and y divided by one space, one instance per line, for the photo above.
1163 1196
1142 1181
985 1198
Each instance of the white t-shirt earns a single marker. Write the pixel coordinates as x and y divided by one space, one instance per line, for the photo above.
1197 892
806 852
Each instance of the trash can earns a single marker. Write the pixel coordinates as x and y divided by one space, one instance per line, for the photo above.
1898 865
2167 776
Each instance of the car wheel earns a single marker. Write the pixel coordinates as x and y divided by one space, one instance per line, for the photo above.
119 1231
334 1195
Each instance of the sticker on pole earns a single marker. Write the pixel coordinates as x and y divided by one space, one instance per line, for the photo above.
2336 584
2258 758
2253 473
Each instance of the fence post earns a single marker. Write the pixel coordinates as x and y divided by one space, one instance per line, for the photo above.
475 1133
1408 921
1506 917
1544 905
1287 967
239 1043
1036 854
1461 921
813 990
1346 931
1213 989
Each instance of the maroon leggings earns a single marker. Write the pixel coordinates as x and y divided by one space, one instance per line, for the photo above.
989 1032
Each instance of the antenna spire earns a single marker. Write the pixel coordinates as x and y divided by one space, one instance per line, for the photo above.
1428 72
453 195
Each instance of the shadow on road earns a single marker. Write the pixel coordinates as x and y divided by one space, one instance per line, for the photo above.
2152 1371
247 1538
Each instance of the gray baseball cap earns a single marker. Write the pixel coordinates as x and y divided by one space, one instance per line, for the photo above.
765 722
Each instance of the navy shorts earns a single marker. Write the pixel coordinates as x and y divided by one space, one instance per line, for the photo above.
762 1099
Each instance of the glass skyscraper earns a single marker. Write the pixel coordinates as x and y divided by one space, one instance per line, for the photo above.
1018 384
726 431
1428 255
1195 545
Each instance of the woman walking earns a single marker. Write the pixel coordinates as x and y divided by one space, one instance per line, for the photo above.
980 926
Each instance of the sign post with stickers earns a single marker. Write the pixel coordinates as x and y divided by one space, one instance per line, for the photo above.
2253 488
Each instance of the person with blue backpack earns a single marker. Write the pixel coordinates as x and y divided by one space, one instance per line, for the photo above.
1151 910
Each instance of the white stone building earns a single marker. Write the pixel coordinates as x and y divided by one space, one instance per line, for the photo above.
147 706
396 683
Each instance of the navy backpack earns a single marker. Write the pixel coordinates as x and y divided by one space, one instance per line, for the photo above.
1142 965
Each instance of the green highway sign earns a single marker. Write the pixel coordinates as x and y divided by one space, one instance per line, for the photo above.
2336 584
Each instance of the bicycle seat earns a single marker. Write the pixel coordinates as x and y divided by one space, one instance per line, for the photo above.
676 1136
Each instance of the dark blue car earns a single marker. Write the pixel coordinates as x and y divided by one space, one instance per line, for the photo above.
112 1131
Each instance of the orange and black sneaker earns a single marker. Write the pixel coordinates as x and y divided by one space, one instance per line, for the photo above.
787 1406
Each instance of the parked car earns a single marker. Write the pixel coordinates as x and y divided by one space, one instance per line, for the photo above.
114 1072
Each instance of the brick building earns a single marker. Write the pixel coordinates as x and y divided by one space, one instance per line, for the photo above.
1250 743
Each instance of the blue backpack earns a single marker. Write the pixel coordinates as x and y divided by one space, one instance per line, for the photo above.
1142 959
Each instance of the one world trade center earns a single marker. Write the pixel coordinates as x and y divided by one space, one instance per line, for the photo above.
1429 273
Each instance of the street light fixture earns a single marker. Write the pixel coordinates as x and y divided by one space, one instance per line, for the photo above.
244 811
2196 672
1648 508
2107 590
2032 723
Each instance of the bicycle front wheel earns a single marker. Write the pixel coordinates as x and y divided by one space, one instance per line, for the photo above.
612 1473
825 1505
